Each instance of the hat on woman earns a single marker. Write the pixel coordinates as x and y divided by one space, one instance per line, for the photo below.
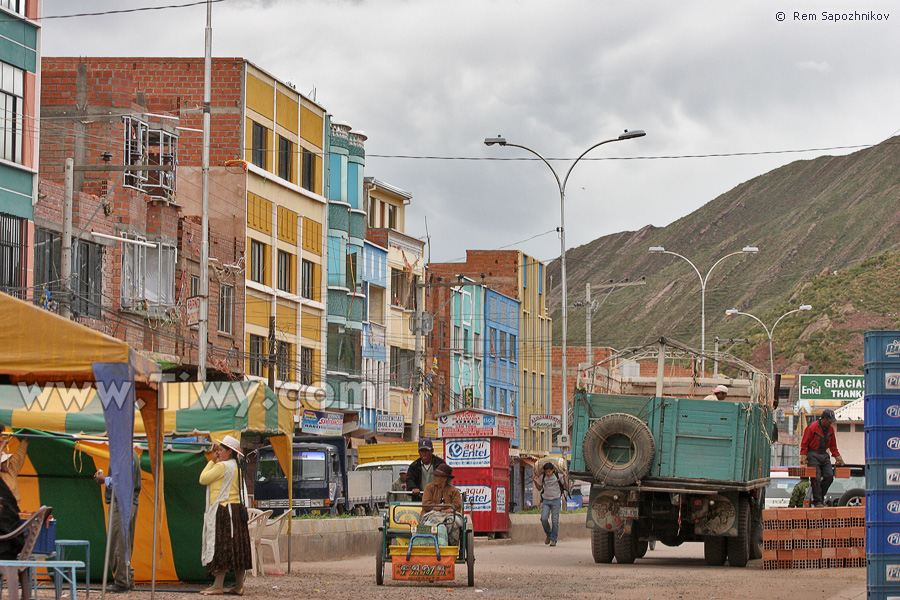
231 443
444 470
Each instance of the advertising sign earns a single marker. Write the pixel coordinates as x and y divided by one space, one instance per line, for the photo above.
389 423
192 310
477 496
468 452
319 422
550 421
468 398
831 387
431 429
501 499
472 423
424 568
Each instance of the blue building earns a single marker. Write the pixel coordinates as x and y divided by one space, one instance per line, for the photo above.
501 359
375 386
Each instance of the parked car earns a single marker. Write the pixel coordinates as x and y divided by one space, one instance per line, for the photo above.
781 486
848 491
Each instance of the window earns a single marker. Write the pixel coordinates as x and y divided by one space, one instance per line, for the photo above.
259 145
402 362
283 360
308 280
195 286
258 355
285 158
352 271
285 271
16 6
257 261
456 340
309 171
148 275
501 351
403 289
392 216
12 100
226 308
306 366
343 351
12 250
376 304
87 278
161 151
47 257
372 202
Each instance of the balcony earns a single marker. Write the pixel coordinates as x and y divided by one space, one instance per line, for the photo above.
357 227
339 217
338 305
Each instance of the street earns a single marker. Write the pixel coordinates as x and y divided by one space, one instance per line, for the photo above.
526 571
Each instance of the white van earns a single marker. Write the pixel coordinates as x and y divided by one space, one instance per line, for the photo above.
385 465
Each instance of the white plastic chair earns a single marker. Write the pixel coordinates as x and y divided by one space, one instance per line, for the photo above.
272 531
256 525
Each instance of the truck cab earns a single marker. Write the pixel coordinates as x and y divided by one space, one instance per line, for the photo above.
319 479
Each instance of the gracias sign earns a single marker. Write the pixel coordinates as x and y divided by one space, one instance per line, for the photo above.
831 387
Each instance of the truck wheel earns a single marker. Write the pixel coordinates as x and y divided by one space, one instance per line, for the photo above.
756 534
379 563
739 545
618 449
626 547
714 551
641 547
602 546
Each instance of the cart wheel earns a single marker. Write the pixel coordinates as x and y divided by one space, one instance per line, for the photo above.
470 557
379 563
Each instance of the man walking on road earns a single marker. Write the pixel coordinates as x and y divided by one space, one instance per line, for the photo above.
817 440
551 485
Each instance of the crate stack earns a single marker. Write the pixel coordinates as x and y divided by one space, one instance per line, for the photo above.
814 538
882 430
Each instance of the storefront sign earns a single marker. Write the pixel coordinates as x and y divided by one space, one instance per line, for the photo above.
469 452
549 421
319 422
192 310
431 429
477 496
501 499
471 423
831 387
389 423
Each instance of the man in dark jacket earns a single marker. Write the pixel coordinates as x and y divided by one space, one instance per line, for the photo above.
421 470
817 441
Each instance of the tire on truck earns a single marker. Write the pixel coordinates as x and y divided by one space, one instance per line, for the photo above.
618 449
602 545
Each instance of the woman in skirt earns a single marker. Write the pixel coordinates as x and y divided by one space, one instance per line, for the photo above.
226 539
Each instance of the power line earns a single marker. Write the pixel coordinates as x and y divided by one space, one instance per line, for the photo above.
127 10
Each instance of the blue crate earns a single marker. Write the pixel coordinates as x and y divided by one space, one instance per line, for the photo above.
883 571
46 542
883 506
882 442
882 474
881 346
885 592
883 538
881 411
882 379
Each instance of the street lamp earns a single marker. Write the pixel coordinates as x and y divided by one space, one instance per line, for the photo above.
703 282
769 332
561 183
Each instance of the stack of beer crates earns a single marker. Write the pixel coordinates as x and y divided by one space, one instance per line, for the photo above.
882 430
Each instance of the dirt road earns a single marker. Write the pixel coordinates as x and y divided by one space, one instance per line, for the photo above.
534 571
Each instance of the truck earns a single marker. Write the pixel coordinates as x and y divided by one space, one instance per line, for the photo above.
665 465
324 482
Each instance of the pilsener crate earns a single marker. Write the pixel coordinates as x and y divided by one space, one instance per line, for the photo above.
881 346
883 538
882 442
882 474
883 506
882 411
882 379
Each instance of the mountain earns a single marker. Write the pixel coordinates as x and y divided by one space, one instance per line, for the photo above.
808 219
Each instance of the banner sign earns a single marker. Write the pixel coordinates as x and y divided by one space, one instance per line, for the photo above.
477 496
318 422
192 310
472 423
501 499
431 429
831 387
550 421
468 452
389 423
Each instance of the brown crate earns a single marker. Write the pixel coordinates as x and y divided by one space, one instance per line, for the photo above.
842 472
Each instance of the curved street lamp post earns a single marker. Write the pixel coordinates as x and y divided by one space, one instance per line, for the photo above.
561 184
703 282
770 332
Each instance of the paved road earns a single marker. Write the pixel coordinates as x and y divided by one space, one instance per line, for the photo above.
535 571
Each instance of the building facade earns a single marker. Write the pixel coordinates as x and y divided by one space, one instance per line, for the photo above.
376 278
501 354
20 117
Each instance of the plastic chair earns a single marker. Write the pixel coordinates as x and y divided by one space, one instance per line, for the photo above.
256 525
15 576
271 534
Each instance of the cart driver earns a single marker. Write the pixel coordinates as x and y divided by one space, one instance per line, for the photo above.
444 503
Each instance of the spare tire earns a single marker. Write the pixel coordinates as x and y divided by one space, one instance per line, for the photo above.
618 449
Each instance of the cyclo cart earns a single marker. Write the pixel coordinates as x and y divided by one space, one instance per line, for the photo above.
415 553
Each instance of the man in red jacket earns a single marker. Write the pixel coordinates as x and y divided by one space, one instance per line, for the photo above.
818 440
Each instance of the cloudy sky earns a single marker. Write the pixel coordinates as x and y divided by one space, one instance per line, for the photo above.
427 81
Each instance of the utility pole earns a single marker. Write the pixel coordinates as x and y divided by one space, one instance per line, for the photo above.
66 242
588 313
273 343
203 333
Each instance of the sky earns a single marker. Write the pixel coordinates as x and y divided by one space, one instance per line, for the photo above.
726 91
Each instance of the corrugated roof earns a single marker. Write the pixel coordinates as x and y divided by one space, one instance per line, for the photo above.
852 412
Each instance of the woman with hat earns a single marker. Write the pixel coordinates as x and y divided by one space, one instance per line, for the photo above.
444 502
226 538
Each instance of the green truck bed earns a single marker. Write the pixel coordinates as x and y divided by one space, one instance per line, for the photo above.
696 440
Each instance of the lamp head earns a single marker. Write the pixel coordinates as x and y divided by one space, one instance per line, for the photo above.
750 249
805 307
634 133
495 140
656 249
731 312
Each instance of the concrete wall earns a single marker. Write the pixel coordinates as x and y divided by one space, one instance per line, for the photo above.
334 539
